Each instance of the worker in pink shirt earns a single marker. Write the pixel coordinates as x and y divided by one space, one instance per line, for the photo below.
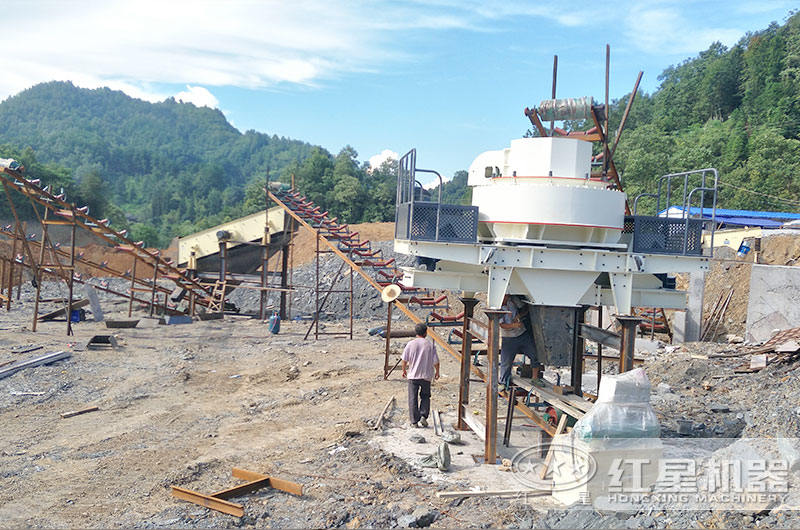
420 367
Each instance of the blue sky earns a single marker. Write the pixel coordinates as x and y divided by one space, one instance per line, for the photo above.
448 77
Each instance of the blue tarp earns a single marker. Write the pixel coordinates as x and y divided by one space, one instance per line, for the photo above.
748 221
742 217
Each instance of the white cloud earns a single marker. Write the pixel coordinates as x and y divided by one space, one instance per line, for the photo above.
666 29
383 156
136 46
199 96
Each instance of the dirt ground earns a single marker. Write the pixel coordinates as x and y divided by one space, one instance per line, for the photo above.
182 405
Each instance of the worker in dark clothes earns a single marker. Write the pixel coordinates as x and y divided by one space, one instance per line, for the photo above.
420 367
516 337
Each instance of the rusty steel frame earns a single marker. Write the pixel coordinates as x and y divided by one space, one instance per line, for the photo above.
217 501
14 180
319 305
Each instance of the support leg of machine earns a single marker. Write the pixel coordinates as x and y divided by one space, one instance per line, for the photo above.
466 353
628 341
490 449
578 348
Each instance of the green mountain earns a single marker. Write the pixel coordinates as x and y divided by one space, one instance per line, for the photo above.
165 168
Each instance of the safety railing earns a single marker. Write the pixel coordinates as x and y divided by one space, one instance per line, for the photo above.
424 220
675 230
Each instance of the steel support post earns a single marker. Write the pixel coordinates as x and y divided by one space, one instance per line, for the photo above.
71 271
388 339
351 304
21 279
223 246
466 354
155 282
262 311
39 277
578 349
11 273
492 352
628 341
316 287
133 282
285 282
599 348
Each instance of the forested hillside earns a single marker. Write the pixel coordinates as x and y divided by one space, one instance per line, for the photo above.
170 168
163 168
736 109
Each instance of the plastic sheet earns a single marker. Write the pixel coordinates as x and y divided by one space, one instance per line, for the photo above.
622 410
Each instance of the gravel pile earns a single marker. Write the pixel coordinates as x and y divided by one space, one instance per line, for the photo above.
366 300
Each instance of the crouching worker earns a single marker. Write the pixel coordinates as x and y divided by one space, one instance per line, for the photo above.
420 367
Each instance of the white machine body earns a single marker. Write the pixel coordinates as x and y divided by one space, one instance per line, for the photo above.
540 189
548 231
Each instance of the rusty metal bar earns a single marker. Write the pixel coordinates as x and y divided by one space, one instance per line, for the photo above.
512 400
625 116
466 354
39 277
133 283
208 501
316 288
605 128
285 486
490 446
11 274
628 341
388 339
71 282
599 348
155 283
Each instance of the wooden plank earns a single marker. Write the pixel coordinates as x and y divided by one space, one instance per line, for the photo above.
562 424
36 361
551 397
379 421
491 493
576 401
207 501
474 423
78 412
